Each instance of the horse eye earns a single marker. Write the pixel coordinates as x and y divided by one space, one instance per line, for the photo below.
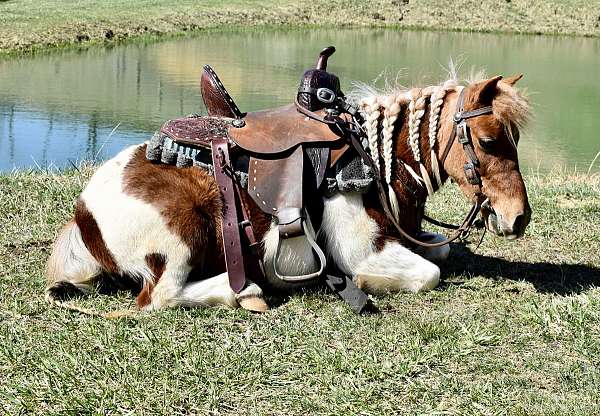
487 143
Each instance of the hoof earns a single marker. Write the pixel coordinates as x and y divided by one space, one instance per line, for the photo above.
253 303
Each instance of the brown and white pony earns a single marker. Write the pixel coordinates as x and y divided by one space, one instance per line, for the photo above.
160 224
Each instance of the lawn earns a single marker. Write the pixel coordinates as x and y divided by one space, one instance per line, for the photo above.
27 25
513 329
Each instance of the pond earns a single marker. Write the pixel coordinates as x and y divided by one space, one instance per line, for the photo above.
61 108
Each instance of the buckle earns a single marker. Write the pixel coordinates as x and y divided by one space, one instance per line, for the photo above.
325 95
462 133
238 123
462 139
471 173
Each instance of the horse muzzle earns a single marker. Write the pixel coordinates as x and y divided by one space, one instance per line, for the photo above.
507 228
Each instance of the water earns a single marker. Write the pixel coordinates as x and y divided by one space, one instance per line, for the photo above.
61 108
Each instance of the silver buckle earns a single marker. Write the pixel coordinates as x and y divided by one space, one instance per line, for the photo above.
325 95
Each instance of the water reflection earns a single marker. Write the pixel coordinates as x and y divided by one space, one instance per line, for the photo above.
63 107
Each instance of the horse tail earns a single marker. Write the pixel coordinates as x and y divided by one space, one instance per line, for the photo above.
70 269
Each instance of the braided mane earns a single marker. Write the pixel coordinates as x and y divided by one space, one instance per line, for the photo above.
380 130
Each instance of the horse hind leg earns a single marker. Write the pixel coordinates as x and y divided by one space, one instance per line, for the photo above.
216 291
173 290
71 269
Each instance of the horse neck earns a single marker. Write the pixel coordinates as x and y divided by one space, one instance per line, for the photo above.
427 123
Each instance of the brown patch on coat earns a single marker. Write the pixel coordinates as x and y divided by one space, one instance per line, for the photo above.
190 202
156 263
92 238
188 199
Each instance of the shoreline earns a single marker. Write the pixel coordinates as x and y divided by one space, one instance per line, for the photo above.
110 23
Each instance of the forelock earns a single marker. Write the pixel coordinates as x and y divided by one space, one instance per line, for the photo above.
511 106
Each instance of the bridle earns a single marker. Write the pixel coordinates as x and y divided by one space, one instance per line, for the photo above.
462 134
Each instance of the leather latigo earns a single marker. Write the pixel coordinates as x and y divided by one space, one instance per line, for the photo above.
230 222
279 130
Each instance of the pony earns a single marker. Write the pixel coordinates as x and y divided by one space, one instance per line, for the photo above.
160 225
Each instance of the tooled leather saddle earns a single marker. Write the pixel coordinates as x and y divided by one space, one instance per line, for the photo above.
285 153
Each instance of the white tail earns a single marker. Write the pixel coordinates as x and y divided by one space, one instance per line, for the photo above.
70 259
71 270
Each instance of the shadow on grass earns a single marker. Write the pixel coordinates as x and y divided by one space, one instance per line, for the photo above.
546 277
562 279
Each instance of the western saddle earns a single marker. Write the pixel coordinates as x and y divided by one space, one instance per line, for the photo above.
285 153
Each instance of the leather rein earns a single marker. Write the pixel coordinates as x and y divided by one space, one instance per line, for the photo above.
460 132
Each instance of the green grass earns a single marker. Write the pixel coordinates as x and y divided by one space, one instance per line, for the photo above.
513 329
29 25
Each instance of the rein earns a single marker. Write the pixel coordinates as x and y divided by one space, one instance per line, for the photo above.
460 133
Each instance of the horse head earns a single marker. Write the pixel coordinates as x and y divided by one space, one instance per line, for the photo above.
493 136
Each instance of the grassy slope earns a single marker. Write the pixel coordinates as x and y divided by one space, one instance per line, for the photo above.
514 329
28 24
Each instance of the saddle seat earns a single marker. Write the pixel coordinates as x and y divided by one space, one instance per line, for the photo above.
278 130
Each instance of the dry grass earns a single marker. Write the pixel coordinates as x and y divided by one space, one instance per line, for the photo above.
513 329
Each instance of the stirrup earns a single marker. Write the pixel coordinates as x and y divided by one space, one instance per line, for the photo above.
315 247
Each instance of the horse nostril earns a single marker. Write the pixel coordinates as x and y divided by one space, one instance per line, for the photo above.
520 223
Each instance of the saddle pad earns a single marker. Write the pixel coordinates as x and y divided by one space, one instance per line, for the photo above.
197 131
279 130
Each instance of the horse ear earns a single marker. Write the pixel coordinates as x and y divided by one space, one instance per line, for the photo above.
512 80
485 91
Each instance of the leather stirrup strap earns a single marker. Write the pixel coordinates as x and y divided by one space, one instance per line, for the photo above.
230 228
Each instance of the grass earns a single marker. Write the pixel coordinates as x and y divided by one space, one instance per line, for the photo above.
513 329
30 25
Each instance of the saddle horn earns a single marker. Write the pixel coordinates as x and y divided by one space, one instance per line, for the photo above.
318 88
323 56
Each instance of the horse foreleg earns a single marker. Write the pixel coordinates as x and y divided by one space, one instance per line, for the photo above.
395 268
